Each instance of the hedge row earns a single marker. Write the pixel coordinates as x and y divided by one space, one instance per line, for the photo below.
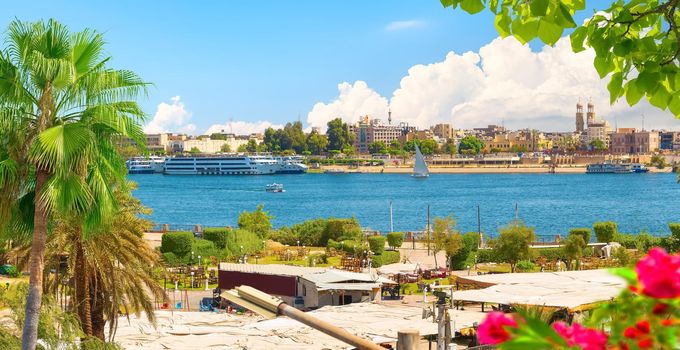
376 244
386 258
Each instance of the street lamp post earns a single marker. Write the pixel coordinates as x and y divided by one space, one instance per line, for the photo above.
199 260
192 257
192 279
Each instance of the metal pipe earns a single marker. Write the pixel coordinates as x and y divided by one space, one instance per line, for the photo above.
325 327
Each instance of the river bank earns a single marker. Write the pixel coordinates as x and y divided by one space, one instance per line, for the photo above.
506 169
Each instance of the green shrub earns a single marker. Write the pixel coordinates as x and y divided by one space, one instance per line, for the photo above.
622 256
551 254
376 244
672 243
172 260
310 232
525 266
486 255
461 259
341 229
584 232
386 258
178 243
250 241
605 231
217 235
350 246
284 235
626 240
395 239
645 242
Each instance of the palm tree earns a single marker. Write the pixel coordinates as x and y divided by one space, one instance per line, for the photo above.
111 269
61 112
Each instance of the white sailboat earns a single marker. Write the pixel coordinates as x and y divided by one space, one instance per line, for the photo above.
420 168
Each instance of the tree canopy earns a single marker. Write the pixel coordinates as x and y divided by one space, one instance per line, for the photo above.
636 42
470 145
339 137
512 244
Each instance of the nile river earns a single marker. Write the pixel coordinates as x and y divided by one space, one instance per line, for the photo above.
552 203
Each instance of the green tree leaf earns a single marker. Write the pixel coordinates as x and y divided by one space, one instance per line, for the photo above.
525 30
674 105
549 32
539 7
615 87
447 3
502 23
577 38
633 93
661 97
563 17
472 6
624 47
603 65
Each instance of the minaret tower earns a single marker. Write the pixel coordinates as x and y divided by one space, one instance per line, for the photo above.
389 116
579 117
590 117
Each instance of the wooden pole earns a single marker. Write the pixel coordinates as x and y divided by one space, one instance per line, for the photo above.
428 230
330 329
441 327
408 339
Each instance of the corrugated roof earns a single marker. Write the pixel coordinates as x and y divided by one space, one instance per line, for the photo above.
341 276
271 269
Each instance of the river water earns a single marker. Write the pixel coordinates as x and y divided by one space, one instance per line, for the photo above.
552 203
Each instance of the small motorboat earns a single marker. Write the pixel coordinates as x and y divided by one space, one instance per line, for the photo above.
277 188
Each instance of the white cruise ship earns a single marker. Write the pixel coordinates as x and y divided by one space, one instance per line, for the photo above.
232 165
145 165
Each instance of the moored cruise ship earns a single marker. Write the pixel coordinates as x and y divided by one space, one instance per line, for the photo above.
145 165
232 165
609 168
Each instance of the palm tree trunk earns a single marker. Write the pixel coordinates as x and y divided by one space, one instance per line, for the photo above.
97 312
29 338
83 291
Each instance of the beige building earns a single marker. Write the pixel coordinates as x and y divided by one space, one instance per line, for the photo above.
529 140
629 140
206 145
368 130
443 131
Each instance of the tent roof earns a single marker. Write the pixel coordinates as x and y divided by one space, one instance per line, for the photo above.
568 289
340 279
393 269
271 269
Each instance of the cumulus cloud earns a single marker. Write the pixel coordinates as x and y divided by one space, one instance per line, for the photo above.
170 117
241 127
505 82
402 25
353 101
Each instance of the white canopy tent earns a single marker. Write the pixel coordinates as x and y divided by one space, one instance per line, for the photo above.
569 289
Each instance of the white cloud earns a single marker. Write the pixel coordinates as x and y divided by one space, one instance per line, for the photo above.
241 127
505 82
170 117
353 101
402 25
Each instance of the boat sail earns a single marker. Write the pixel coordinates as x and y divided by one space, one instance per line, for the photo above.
420 168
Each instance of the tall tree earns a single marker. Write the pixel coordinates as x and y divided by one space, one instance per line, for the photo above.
470 145
512 244
66 109
636 43
339 137
316 143
445 237
377 147
112 268
298 140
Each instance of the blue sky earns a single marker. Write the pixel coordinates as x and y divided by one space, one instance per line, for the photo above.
266 60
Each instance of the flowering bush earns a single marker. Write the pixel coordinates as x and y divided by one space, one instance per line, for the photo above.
645 316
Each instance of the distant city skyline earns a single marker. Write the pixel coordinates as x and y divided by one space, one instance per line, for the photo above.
244 66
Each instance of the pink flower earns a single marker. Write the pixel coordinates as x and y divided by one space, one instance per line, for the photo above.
659 274
493 328
586 338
